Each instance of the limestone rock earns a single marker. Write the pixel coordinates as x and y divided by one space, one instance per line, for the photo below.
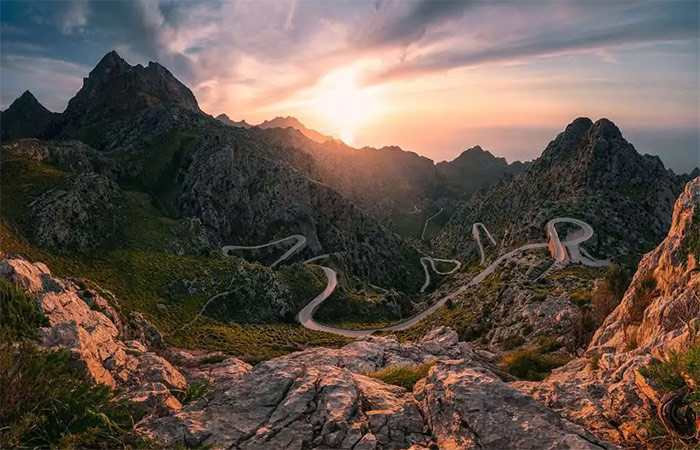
468 407
280 404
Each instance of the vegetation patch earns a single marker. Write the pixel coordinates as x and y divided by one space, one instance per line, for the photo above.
20 315
609 291
404 376
678 374
642 297
531 364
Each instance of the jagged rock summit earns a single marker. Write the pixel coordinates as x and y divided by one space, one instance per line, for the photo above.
25 117
114 88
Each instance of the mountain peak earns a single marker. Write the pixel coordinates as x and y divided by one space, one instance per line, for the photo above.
28 104
111 62
25 117
114 88
606 128
27 97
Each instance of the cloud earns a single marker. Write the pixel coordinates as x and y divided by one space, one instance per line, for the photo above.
52 81
74 16
396 24
613 26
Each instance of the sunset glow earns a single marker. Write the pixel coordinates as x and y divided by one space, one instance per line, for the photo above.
433 77
342 105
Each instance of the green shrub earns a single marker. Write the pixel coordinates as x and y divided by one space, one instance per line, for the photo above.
641 299
609 292
531 364
594 362
512 342
20 315
46 403
404 376
195 391
680 370
547 344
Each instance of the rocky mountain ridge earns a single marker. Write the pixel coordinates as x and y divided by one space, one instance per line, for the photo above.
589 171
659 315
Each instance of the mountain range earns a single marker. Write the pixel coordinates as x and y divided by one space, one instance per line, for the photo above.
221 281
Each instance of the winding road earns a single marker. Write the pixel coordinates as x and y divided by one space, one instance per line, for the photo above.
305 316
425 226
429 260
477 238
301 241
562 252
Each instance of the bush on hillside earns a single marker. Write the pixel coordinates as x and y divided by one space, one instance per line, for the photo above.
20 315
404 376
531 364
47 404
641 299
609 292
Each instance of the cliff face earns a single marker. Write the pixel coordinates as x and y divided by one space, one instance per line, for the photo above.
667 282
608 390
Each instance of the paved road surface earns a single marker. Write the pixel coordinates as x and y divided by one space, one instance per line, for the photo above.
306 315
301 241
428 260
477 238
425 226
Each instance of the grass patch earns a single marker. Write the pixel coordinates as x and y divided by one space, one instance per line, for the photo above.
404 376
531 364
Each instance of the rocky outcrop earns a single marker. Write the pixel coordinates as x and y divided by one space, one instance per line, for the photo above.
85 324
468 407
79 217
284 405
319 398
605 390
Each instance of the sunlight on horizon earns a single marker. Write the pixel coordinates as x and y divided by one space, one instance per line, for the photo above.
342 105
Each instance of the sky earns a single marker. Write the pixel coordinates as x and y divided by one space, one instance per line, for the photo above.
432 76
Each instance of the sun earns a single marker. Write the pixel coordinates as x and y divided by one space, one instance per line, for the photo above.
343 105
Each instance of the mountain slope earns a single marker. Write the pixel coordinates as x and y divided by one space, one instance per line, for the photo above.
590 172
25 117
473 169
637 384
241 189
